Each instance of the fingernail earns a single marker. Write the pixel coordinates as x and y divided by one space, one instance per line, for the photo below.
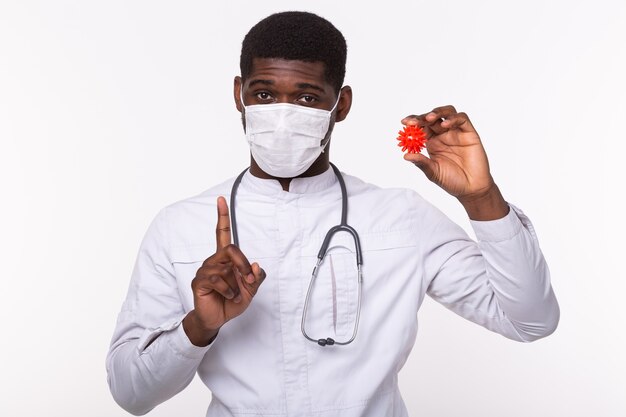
237 299
250 278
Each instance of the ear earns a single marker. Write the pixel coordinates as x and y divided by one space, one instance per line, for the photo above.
237 93
345 103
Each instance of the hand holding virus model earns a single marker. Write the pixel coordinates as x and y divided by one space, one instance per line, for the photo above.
456 159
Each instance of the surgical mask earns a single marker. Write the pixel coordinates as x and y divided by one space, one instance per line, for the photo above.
285 139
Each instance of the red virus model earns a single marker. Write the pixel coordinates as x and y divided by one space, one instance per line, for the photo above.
412 139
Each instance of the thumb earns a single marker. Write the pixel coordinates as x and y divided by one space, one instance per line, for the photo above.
427 165
251 288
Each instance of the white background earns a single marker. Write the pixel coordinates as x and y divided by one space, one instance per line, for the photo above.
111 110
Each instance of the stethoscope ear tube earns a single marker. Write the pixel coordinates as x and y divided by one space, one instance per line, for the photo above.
233 212
342 228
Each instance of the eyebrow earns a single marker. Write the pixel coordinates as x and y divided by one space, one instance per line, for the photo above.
304 86
264 82
301 86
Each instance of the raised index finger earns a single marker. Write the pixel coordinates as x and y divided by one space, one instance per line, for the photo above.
222 230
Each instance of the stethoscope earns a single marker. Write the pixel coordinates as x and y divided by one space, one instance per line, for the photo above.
342 227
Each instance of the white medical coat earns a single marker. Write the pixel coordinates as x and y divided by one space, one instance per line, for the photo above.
260 363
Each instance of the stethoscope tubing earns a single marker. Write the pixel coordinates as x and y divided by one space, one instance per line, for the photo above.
342 227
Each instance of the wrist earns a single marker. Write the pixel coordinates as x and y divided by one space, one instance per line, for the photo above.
485 206
198 335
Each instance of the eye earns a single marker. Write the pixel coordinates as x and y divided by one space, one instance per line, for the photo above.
263 96
307 99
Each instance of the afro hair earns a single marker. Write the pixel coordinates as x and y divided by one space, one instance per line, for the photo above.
300 36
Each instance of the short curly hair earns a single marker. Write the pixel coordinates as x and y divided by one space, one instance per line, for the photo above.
300 36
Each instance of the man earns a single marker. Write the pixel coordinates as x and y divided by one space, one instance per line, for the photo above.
234 313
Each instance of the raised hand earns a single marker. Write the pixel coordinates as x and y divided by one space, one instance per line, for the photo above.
224 285
457 162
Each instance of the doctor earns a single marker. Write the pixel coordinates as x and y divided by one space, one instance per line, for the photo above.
235 314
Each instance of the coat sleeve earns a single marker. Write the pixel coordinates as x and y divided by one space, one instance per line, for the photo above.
501 282
150 358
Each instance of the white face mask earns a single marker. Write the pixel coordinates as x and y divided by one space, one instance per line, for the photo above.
285 139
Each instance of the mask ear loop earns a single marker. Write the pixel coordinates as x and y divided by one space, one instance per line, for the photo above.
336 102
241 96
330 113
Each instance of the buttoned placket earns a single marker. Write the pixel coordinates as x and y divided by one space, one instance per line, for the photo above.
290 278
293 278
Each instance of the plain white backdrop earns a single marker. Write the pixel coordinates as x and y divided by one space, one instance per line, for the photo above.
111 110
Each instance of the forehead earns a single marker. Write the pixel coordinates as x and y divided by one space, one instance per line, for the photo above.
288 71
